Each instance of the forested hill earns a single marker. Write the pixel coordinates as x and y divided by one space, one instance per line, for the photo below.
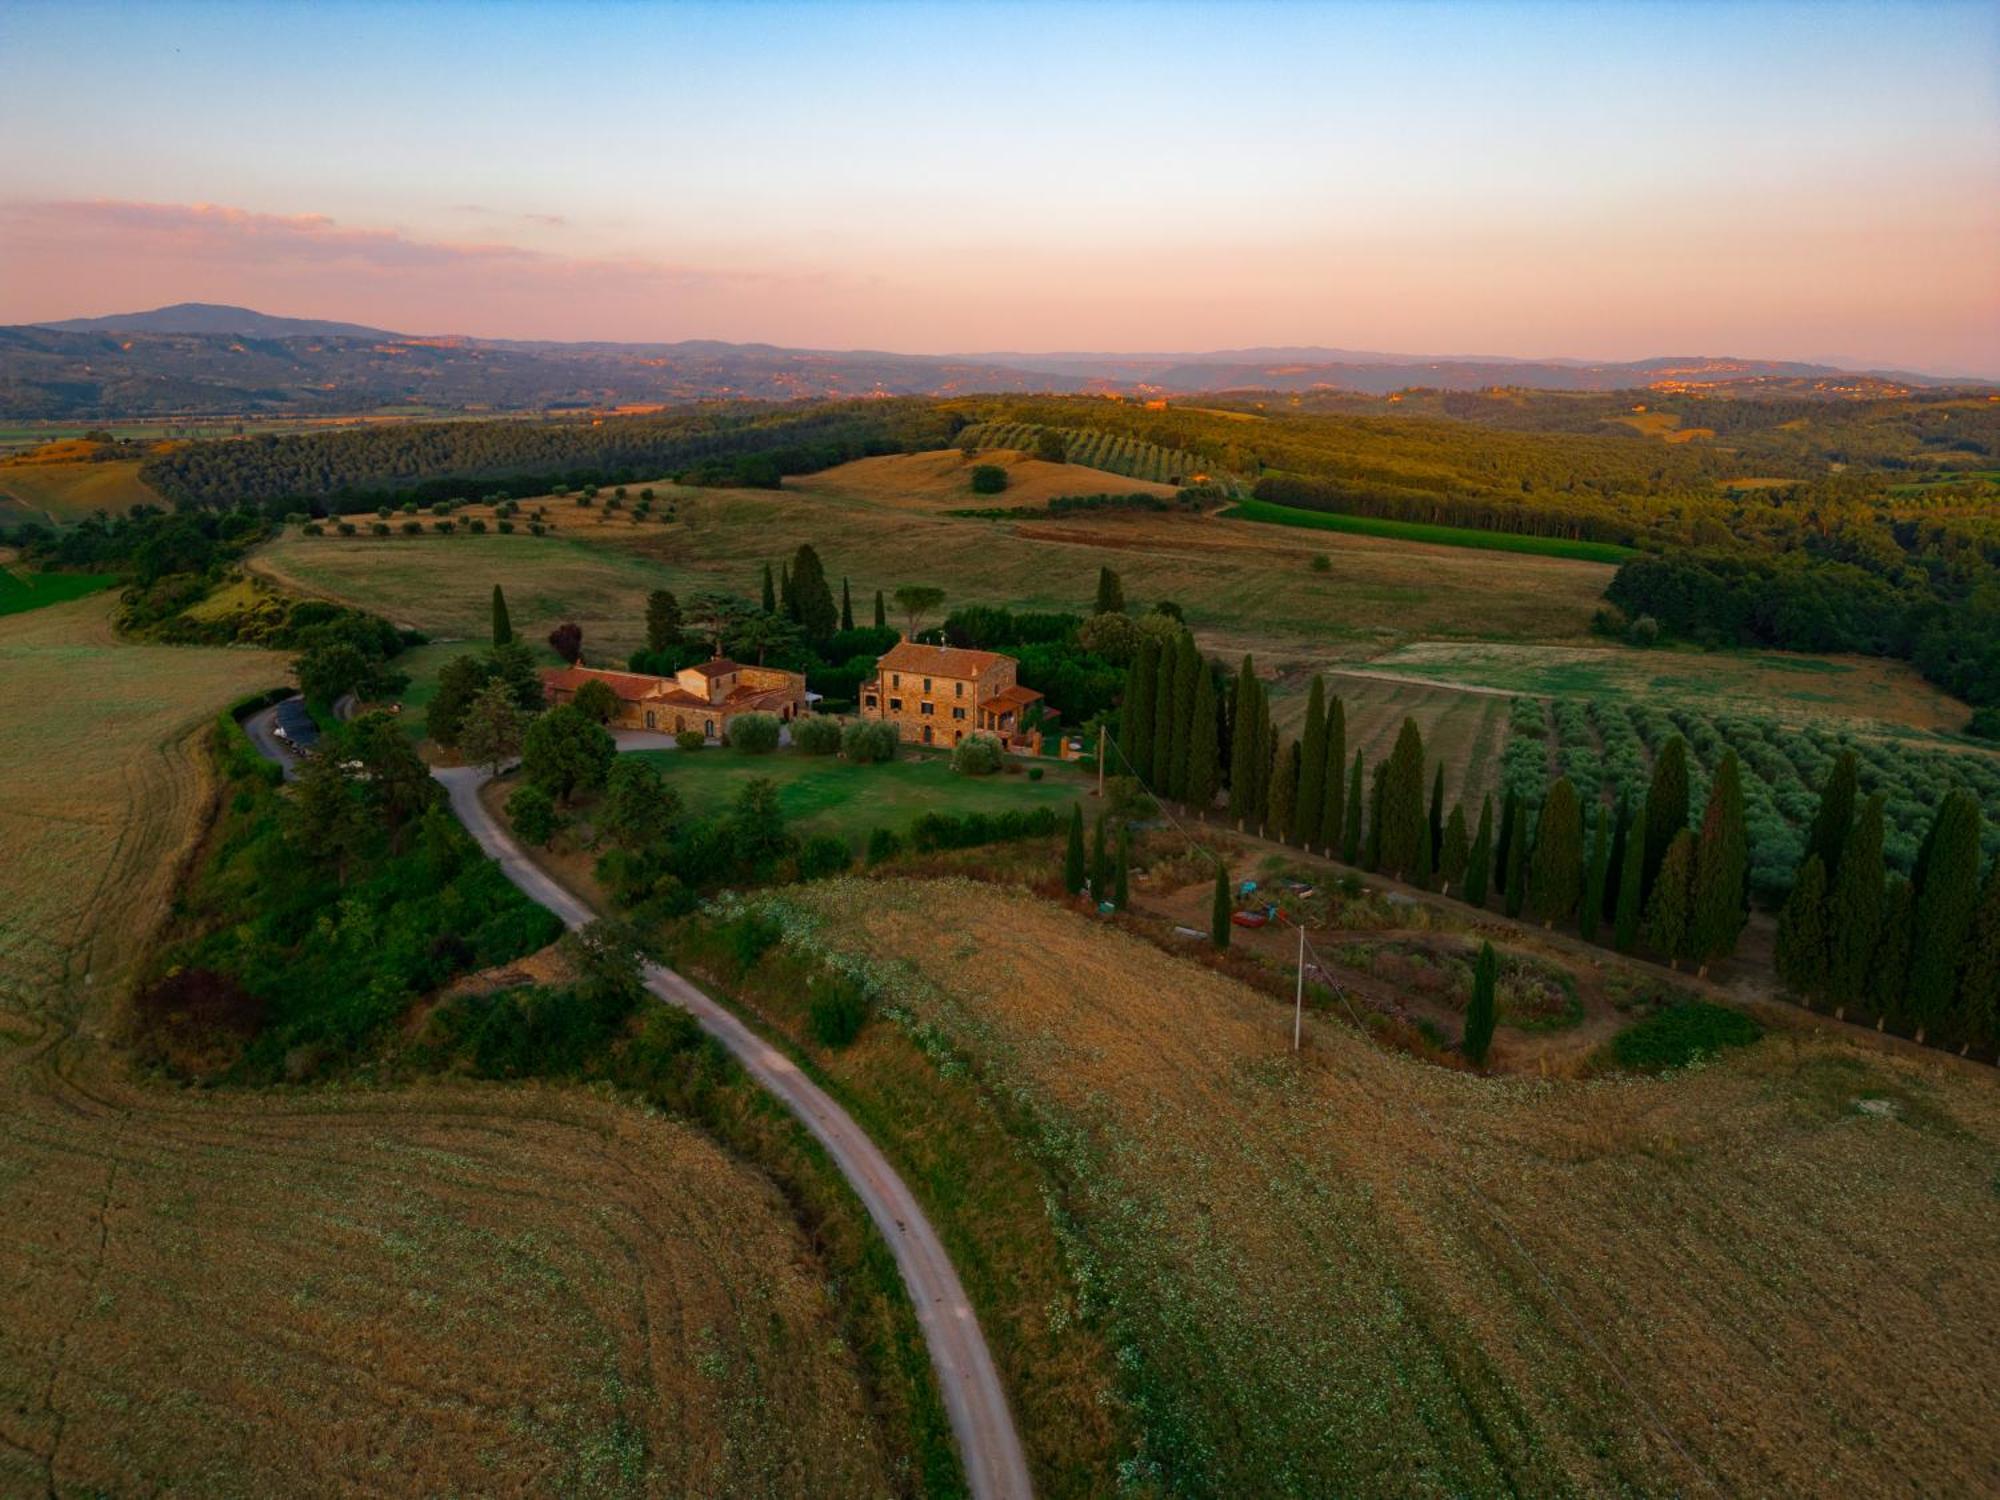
349 469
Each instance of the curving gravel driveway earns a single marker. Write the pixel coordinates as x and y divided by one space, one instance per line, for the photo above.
987 1441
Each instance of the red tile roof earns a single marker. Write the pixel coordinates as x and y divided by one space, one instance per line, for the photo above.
938 661
721 666
630 686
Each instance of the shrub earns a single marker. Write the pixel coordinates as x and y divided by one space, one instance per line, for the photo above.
313 528
444 528
754 734
976 755
476 526
536 528
817 735
988 479
1678 1035
691 739
822 855
380 528
1644 631
867 741
935 831
382 512
506 528
413 528
1321 563
533 813
837 1008
884 844
1034 773
347 528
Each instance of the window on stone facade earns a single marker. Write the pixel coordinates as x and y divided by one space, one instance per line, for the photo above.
895 679
958 713
927 684
958 688
895 705
925 708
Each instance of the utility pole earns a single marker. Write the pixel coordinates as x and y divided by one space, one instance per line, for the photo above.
1299 998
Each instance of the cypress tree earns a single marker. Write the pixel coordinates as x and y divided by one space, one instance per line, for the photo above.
1621 828
663 620
503 628
846 606
881 612
1889 968
1263 757
1590 910
770 592
1100 860
1333 822
1135 717
1479 1011
1854 908
1454 852
1437 816
1160 768
1832 823
1243 746
1405 838
1110 593
1721 869
1555 874
1625 920
1977 1019
811 602
1284 790
1672 904
1947 894
1073 870
1188 672
1202 737
1310 815
1517 862
1504 850
1800 956
1666 810
788 602
1218 912
1376 790
1479 861
1350 828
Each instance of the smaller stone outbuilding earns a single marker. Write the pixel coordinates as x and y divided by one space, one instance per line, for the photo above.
705 697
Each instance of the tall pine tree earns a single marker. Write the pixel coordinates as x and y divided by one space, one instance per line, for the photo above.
1310 815
1668 913
1480 1011
1110 593
1621 830
1405 836
1284 789
1503 851
1218 910
1889 968
1188 672
1596 874
1135 717
1437 816
1831 824
1800 956
881 612
1454 851
1333 821
1517 861
1721 869
1074 872
1479 862
1631 880
1666 810
1100 860
1555 874
812 596
1854 907
1203 735
1947 893
1121 883
1977 1020
846 606
1163 721
770 593
1350 827
503 628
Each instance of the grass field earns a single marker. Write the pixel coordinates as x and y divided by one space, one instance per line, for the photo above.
64 492
1418 531
450 1289
20 592
1465 730
1356 1274
1771 683
1243 586
828 794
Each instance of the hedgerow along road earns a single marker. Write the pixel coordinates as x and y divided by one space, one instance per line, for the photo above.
988 1444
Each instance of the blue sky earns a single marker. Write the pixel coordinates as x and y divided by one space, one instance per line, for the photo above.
1603 180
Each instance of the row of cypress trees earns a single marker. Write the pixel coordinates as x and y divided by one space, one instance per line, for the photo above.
1922 953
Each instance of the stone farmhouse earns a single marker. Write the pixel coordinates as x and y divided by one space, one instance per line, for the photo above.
937 695
705 697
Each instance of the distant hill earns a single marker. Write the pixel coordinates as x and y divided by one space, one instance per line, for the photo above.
214 318
199 359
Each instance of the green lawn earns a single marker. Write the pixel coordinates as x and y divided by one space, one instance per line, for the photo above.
1419 531
20 592
825 794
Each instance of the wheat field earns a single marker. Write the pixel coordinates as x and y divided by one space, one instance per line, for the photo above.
1351 1273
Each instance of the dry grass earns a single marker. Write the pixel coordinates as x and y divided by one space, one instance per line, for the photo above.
1466 730
451 1289
940 481
41 490
1795 1292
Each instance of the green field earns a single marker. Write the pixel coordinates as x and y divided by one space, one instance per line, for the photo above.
825 794
21 592
1418 531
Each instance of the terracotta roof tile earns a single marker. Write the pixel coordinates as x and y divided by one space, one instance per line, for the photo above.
938 661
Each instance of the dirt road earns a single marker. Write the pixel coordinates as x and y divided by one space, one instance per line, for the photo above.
988 1444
